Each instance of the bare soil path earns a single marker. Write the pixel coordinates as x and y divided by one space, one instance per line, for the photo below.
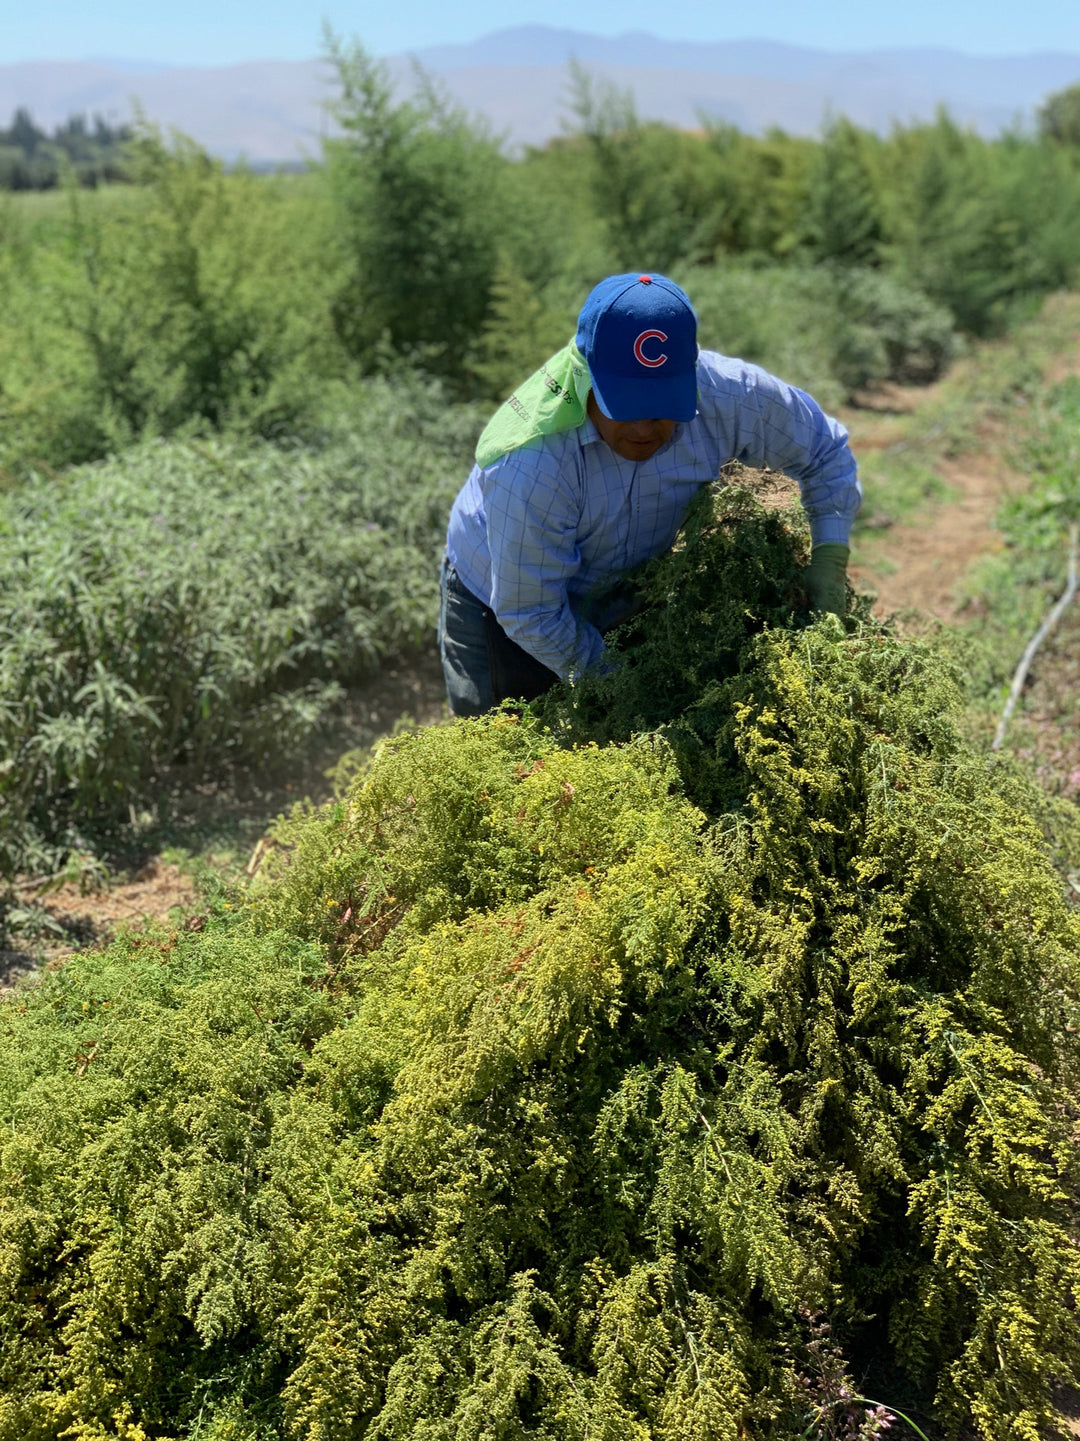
917 564
924 565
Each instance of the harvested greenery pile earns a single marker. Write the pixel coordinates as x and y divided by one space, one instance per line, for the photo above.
528 1097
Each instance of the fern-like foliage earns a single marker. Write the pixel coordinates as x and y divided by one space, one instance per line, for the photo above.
547 1088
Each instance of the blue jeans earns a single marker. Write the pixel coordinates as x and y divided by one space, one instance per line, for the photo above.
481 664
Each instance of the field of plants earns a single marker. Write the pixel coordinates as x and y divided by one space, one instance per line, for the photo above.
693 1055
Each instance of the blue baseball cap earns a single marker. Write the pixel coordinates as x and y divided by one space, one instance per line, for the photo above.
638 334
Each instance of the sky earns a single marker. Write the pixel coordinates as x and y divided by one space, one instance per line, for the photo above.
222 32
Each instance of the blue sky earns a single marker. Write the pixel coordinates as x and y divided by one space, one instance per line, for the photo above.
216 32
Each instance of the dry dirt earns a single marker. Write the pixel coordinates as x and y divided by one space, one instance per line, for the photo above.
75 917
917 569
158 892
917 566
1067 1400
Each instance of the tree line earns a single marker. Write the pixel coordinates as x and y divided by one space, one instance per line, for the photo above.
89 147
199 298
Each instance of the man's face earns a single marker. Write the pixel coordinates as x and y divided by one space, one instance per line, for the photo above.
632 439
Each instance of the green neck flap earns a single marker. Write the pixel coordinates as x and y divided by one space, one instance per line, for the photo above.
551 400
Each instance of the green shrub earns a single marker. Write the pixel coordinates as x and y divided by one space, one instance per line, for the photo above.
829 330
1059 116
207 303
416 184
652 188
888 331
520 334
30 159
844 221
982 227
47 417
527 1097
780 317
1016 587
196 301
204 603
193 301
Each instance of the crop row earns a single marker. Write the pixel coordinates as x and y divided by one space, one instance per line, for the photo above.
198 603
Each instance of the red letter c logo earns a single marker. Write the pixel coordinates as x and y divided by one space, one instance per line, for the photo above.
639 352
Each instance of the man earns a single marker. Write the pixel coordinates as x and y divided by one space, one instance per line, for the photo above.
589 468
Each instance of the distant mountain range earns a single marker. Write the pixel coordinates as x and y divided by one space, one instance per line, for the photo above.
272 111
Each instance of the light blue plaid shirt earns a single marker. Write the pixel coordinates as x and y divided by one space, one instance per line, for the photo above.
532 534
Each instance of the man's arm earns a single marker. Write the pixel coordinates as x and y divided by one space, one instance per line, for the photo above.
532 523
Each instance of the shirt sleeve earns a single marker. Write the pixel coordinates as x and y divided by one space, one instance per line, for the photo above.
532 523
777 425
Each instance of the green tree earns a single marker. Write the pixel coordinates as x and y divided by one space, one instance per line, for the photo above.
1059 116
416 183
23 133
958 229
202 303
30 159
520 333
652 185
758 197
843 209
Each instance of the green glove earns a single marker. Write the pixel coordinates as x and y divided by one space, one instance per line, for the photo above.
825 577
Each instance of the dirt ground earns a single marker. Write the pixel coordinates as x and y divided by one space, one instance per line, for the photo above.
157 892
74 917
917 566
919 569
1067 1401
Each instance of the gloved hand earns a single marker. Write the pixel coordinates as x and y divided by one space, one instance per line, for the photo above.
825 577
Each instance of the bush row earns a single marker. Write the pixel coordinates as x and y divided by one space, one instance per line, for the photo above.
199 299
91 153
201 603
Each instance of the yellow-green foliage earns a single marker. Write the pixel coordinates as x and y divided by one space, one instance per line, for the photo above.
526 1097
